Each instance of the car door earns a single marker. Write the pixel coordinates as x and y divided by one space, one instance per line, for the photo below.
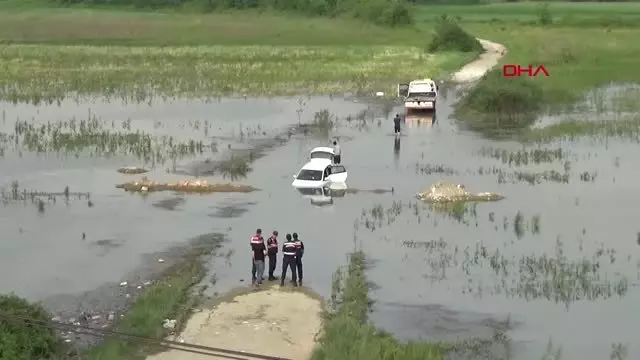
338 174
403 90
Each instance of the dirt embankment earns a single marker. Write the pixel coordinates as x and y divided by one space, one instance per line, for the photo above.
474 70
273 322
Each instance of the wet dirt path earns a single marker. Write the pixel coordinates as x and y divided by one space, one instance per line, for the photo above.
271 321
476 69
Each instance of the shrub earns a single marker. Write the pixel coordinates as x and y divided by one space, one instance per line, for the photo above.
20 340
449 36
544 15
499 105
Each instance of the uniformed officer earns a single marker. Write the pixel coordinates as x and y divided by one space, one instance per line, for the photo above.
288 260
256 240
299 253
272 251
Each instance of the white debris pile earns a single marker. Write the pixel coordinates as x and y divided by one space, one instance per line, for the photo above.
443 191
169 324
191 183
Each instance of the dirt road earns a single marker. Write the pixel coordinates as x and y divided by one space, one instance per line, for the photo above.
272 322
477 68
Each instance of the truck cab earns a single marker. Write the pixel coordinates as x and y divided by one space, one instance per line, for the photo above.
419 95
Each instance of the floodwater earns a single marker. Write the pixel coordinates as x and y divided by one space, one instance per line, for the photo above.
424 286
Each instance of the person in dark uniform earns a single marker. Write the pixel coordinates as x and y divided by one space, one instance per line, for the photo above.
272 251
255 240
396 124
299 253
259 252
288 260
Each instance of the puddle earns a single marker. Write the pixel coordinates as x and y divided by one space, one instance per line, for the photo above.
423 290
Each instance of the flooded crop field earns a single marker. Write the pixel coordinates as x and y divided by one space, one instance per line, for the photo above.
554 264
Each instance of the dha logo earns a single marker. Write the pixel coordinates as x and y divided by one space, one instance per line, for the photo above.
514 70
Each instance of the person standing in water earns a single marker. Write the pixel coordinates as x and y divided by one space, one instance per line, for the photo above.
396 124
337 152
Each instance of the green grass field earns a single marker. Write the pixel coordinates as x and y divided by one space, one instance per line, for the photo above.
564 13
581 49
329 55
50 53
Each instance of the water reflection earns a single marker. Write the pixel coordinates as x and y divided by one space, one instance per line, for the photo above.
396 152
324 196
426 119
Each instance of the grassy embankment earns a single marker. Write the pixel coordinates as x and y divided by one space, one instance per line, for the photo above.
170 296
136 55
584 46
348 334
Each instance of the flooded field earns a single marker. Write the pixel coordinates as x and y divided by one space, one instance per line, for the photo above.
556 260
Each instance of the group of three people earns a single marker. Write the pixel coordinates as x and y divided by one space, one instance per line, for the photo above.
292 250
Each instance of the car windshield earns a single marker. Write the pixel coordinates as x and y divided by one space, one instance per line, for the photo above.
312 175
423 94
321 155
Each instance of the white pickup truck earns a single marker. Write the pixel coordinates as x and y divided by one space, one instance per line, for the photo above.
419 95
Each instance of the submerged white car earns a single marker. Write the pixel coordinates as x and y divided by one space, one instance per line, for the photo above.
321 152
319 173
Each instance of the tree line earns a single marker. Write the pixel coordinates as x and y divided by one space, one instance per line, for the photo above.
382 12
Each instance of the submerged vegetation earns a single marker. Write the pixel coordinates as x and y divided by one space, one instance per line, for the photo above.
555 277
348 334
96 137
41 199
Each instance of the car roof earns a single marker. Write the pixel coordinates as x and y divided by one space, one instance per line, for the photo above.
323 149
317 164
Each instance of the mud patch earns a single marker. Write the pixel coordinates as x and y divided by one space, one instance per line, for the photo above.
228 211
169 203
279 322
106 245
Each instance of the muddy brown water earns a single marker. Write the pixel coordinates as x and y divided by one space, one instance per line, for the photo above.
420 292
